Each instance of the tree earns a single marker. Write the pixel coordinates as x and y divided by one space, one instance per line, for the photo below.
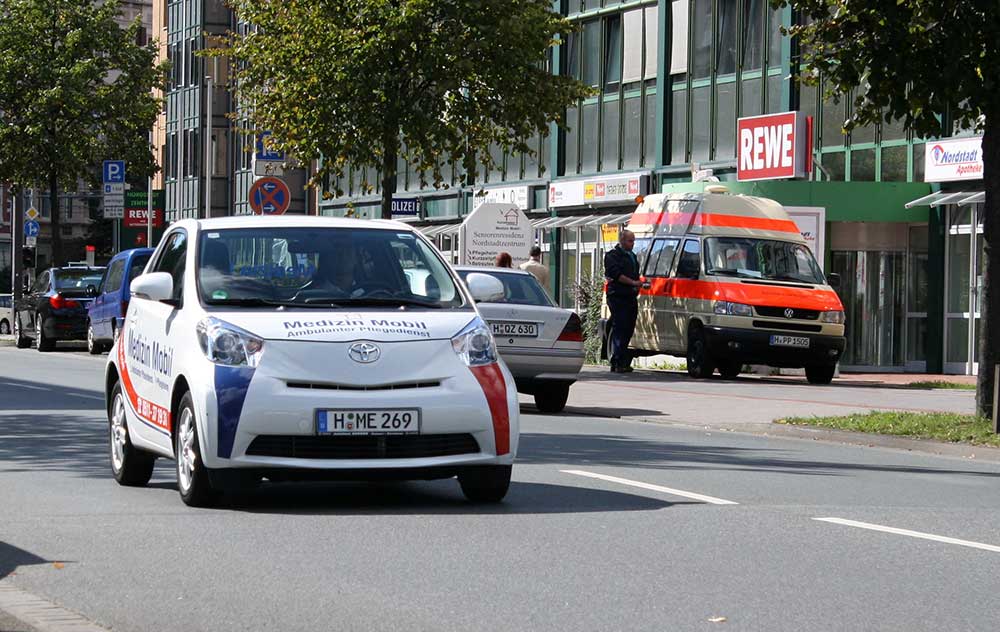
75 89
360 83
923 62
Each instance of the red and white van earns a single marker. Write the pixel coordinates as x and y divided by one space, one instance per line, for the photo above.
728 280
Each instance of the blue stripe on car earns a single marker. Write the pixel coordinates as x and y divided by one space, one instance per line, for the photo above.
231 385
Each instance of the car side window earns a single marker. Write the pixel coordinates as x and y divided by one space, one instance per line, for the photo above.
661 257
689 266
173 260
113 278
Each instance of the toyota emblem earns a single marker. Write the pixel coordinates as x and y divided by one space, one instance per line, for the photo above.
789 312
364 352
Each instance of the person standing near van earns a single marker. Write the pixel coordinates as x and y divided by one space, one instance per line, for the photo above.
621 268
535 266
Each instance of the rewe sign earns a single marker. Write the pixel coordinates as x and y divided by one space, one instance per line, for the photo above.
773 146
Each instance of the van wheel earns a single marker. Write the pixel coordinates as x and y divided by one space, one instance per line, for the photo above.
20 340
129 465
552 398
820 374
93 347
192 475
699 364
485 483
730 370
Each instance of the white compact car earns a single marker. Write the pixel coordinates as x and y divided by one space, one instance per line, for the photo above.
293 348
541 342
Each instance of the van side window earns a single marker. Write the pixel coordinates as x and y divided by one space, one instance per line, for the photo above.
113 279
689 266
661 257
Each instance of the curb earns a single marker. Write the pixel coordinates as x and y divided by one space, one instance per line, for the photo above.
40 614
863 439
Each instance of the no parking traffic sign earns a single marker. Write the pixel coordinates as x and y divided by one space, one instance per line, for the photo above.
269 196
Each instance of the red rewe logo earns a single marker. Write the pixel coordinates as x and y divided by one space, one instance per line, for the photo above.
772 146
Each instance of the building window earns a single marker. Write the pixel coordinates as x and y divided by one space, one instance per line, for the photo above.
633 46
612 52
726 37
591 52
753 34
679 37
701 64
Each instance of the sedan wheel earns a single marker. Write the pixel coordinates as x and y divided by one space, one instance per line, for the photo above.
42 342
20 341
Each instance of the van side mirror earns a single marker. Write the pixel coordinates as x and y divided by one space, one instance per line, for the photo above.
833 279
91 290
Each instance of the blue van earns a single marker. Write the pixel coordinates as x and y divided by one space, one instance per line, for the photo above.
107 311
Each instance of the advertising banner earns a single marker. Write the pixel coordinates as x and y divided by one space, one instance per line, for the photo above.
772 146
518 196
811 221
597 191
492 229
951 160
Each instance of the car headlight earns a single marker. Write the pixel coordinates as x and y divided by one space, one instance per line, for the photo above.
229 345
475 344
834 318
726 308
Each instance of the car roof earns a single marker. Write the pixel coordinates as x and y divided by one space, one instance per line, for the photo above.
292 221
488 269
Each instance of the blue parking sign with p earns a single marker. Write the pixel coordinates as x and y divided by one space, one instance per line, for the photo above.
114 171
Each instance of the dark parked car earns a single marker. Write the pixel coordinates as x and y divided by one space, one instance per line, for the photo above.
108 309
6 303
55 306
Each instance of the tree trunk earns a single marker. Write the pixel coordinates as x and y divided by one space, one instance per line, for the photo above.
989 337
389 155
56 219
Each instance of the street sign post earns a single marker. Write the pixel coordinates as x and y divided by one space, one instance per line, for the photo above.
32 228
114 172
114 189
31 214
269 196
266 154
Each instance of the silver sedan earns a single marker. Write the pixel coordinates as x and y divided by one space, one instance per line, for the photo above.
541 342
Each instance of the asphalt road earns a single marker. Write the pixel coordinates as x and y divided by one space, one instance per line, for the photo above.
609 525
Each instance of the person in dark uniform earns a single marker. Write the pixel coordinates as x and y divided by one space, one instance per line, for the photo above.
621 268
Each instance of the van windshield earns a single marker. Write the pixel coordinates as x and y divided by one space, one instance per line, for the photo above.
765 259
322 267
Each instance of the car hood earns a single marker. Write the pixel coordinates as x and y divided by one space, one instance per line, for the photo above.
343 326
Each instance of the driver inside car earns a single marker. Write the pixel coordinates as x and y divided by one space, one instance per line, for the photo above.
336 272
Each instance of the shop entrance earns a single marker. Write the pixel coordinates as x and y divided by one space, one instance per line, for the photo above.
963 287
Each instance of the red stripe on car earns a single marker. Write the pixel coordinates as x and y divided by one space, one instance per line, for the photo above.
490 378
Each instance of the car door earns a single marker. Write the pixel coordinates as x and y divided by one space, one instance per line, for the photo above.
97 309
660 292
685 292
146 349
30 303
110 297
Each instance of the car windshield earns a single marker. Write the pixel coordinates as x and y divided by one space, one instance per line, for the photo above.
322 267
765 259
518 289
69 279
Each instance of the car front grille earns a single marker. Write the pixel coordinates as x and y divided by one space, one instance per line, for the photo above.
362 387
363 447
779 312
773 324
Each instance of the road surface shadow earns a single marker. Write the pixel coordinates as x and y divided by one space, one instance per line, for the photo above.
11 557
624 451
61 443
443 497
20 395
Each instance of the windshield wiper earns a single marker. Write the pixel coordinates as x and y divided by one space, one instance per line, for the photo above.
794 279
361 300
257 302
731 272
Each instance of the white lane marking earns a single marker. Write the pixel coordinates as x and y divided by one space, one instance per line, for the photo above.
100 399
27 386
912 534
656 488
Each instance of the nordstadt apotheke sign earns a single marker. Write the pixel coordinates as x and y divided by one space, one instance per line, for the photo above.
773 146
950 160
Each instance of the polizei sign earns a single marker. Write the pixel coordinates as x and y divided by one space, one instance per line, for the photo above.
773 146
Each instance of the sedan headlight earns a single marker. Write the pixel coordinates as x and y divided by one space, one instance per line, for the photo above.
725 308
475 344
229 345
834 318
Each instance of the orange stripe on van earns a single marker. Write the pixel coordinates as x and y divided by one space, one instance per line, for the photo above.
749 294
715 219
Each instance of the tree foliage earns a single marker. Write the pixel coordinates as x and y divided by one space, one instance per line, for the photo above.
923 62
75 89
361 82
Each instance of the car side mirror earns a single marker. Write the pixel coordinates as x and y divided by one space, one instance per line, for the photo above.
92 290
484 287
155 286
833 279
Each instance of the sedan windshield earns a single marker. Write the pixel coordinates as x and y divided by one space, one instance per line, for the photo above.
761 259
518 289
322 267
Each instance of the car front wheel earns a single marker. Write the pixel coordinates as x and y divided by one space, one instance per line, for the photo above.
192 475
820 374
129 465
699 363
485 483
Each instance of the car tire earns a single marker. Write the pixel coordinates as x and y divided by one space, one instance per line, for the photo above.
699 363
42 342
21 342
192 475
485 483
730 370
4 327
551 398
820 373
93 347
130 466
